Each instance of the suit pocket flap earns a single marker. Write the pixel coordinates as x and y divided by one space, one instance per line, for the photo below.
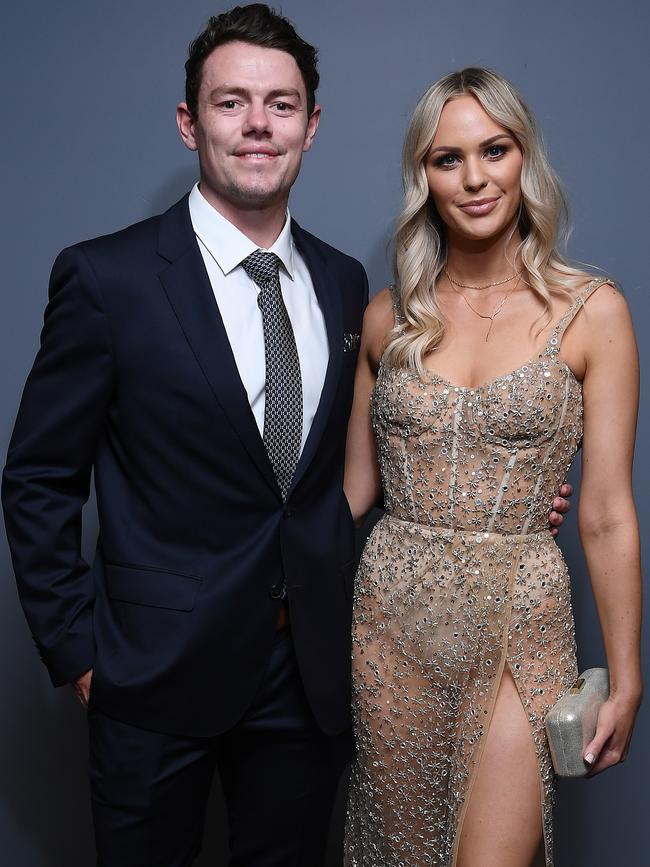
151 587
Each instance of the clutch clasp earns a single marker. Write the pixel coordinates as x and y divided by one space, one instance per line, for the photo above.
577 686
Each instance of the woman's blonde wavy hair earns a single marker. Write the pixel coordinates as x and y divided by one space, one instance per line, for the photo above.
419 241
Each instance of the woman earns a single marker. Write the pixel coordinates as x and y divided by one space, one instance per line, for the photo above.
479 375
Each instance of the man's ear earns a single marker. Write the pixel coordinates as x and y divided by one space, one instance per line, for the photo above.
185 123
312 126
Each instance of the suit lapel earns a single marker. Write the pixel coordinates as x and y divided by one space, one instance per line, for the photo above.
190 294
329 299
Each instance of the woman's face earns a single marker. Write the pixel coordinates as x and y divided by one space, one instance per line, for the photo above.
474 172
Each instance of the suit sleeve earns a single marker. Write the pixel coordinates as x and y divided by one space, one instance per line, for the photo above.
46 479
364 290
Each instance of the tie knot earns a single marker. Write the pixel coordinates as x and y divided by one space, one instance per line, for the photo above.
262 267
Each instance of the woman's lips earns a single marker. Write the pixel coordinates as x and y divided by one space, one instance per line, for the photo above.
479 207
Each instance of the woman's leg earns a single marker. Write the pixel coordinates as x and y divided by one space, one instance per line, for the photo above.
503 822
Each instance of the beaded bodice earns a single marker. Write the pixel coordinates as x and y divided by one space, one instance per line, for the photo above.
481 459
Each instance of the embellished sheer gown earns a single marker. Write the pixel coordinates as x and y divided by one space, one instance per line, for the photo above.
459 579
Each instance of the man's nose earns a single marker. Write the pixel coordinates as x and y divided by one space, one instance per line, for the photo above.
257 120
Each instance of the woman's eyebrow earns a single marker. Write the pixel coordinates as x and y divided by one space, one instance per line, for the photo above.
483 144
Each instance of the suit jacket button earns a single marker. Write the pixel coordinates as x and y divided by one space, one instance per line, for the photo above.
278 591
287 513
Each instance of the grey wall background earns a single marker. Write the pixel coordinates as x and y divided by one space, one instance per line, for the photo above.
89 145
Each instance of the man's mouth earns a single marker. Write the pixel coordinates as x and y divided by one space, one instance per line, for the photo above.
261 154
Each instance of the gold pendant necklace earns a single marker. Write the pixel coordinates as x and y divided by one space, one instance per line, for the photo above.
455 282
499 307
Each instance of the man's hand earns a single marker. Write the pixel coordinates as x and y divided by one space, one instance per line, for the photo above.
82 687
559 507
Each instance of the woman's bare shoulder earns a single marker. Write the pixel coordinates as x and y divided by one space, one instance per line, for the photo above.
379 317
606 296
607 300
378 322
605 324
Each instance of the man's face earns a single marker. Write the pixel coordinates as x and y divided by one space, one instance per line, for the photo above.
252 126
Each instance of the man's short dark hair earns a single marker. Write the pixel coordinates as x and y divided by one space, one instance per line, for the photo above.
256 24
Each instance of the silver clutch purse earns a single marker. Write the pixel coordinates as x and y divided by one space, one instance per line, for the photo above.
571 722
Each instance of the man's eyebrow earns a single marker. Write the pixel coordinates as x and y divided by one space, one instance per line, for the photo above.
285 91
227 90
486 143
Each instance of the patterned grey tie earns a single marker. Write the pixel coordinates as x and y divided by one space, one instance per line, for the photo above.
283 388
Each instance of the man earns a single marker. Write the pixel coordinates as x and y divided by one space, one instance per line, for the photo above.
221 511
202 363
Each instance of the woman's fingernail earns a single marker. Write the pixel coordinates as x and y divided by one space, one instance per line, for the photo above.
589 758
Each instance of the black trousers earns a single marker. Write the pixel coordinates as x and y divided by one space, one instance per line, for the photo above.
279 774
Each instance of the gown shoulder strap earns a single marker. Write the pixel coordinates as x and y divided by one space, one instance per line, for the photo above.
554 341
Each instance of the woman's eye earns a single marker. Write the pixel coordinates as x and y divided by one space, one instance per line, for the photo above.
447 160
496 150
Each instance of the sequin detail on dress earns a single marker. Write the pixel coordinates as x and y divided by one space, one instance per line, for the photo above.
458 579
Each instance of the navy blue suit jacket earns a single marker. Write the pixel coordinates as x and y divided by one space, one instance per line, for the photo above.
135 379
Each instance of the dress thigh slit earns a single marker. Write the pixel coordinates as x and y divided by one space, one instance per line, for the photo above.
540 859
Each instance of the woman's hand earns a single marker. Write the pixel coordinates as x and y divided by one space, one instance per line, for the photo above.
611 742
559 508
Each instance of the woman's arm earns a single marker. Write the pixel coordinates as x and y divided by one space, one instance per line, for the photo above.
362 479
607 516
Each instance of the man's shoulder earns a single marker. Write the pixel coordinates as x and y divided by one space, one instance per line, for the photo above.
142 233
139 238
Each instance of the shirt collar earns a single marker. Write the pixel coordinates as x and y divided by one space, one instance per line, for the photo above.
226 244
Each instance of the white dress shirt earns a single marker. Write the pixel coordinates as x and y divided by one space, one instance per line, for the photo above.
223 248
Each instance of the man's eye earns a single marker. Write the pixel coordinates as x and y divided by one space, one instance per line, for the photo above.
282 106
229 104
